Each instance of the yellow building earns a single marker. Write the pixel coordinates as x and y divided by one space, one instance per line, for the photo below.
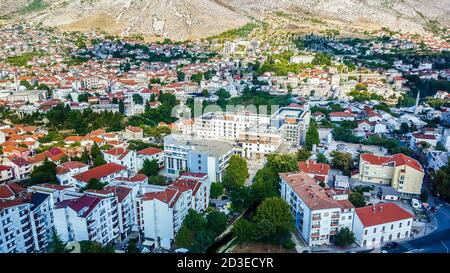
399 171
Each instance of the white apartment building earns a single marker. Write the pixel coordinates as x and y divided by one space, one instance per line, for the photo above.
381 223
105 173
256 134
183 153
150 154
122 157
89 218
162 210
318 213
125 206
66 171
26 220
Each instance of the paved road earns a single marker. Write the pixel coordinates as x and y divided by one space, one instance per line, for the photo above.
436 242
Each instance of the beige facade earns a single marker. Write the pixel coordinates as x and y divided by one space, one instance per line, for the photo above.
401 172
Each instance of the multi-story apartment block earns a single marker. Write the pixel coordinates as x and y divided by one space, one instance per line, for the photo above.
150 154
125 206
161 210
375 225
66 171
122 157
88 217
6 173
105 173
255 134
318 213
399 171
26 220
21 167
183 153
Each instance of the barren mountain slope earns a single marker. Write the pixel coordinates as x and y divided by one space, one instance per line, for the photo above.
185 19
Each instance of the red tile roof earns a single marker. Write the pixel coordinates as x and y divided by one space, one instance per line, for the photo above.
397 159
99 172
342 114
423 136
381 214
150 151
313 195
312 167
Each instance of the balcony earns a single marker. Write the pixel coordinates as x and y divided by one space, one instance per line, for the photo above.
315 235
316 218
316 226
335 216
333 232
335 224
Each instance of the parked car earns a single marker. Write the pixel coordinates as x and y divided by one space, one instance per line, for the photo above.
391 245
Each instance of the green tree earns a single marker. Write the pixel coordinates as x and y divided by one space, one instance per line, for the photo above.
96 151
216 222
241 199
282 163
95 247
184 237
194 220
138 99
357 199
321 158
157 180
216 190
264 230
203 239
342 161
312 136
205 93
222 93
265 184
98 161
180 75
26 84
303 154
45 173
344 237
198 77
441 182
150 167
94 184
121 107
236 173
275 211
57 245
243 230
132 246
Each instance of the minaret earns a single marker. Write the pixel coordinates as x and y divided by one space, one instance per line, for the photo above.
416 109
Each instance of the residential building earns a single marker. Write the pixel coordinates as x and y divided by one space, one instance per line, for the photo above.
162 210
399 171
318 171
133 133
381 223
66 171
87 218
26 220
150 154
122 157
318 213
105 173
183 153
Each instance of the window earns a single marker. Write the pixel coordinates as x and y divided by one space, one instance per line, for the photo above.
409 223
392 226
400 225
383 228
398 235
365 232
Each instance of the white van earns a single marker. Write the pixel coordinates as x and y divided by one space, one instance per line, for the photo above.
416 203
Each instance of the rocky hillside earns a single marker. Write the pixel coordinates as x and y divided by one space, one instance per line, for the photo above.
187 19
